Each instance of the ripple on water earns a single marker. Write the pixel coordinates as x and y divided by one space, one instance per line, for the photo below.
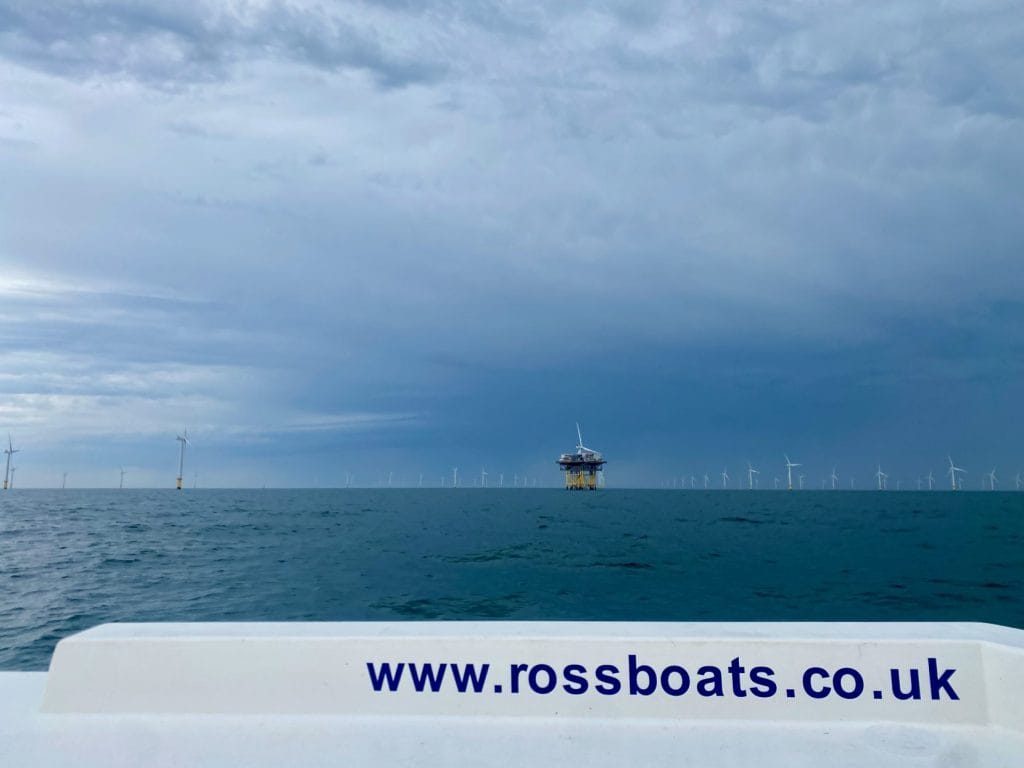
67 561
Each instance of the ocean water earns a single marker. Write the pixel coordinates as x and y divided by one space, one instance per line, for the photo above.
73 559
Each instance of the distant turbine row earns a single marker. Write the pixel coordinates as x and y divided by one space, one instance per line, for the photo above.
954 472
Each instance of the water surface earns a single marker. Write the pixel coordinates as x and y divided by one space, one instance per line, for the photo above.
73 559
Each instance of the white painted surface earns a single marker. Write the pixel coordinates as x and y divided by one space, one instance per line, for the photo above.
298 694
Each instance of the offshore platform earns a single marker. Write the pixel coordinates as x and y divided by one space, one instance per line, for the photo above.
582 467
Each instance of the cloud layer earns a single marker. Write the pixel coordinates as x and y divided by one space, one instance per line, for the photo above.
442 227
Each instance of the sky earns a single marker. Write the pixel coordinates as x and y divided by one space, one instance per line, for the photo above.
338 240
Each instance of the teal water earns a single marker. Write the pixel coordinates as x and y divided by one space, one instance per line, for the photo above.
73 559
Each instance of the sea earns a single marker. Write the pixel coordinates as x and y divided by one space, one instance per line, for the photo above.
72 559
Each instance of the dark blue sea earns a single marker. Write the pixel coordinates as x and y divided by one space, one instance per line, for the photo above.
73 559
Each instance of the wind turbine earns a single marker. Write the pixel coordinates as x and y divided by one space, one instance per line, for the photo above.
750 476
725 477
122 478
64 481
501 480
835 478
881 478
1018 481
183 439
931 480
992 479
455 477
10 450
789 472
707 477
776 483
802 481
953 469
483 477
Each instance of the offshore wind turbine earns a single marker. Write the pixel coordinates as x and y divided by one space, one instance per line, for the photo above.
992 479
953 469
802 481
750 476
119 486
776 483
10 450
1018 481
708 477
725 477
483 477
64 481
789 472
882 477
183 439
455 477
835 478
931 480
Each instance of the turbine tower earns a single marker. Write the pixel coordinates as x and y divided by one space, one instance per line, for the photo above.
750 476
10 450
122 478
992 479
12 477
835 478
183 439
708 477
931 480
64 481
455 477
953 469
882 477
789 472
483 477
725 478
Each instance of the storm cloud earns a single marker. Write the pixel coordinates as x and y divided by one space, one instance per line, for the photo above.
341 237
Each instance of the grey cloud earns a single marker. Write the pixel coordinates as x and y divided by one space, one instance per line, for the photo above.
792 206
176 43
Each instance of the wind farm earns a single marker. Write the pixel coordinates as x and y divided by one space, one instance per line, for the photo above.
583 469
